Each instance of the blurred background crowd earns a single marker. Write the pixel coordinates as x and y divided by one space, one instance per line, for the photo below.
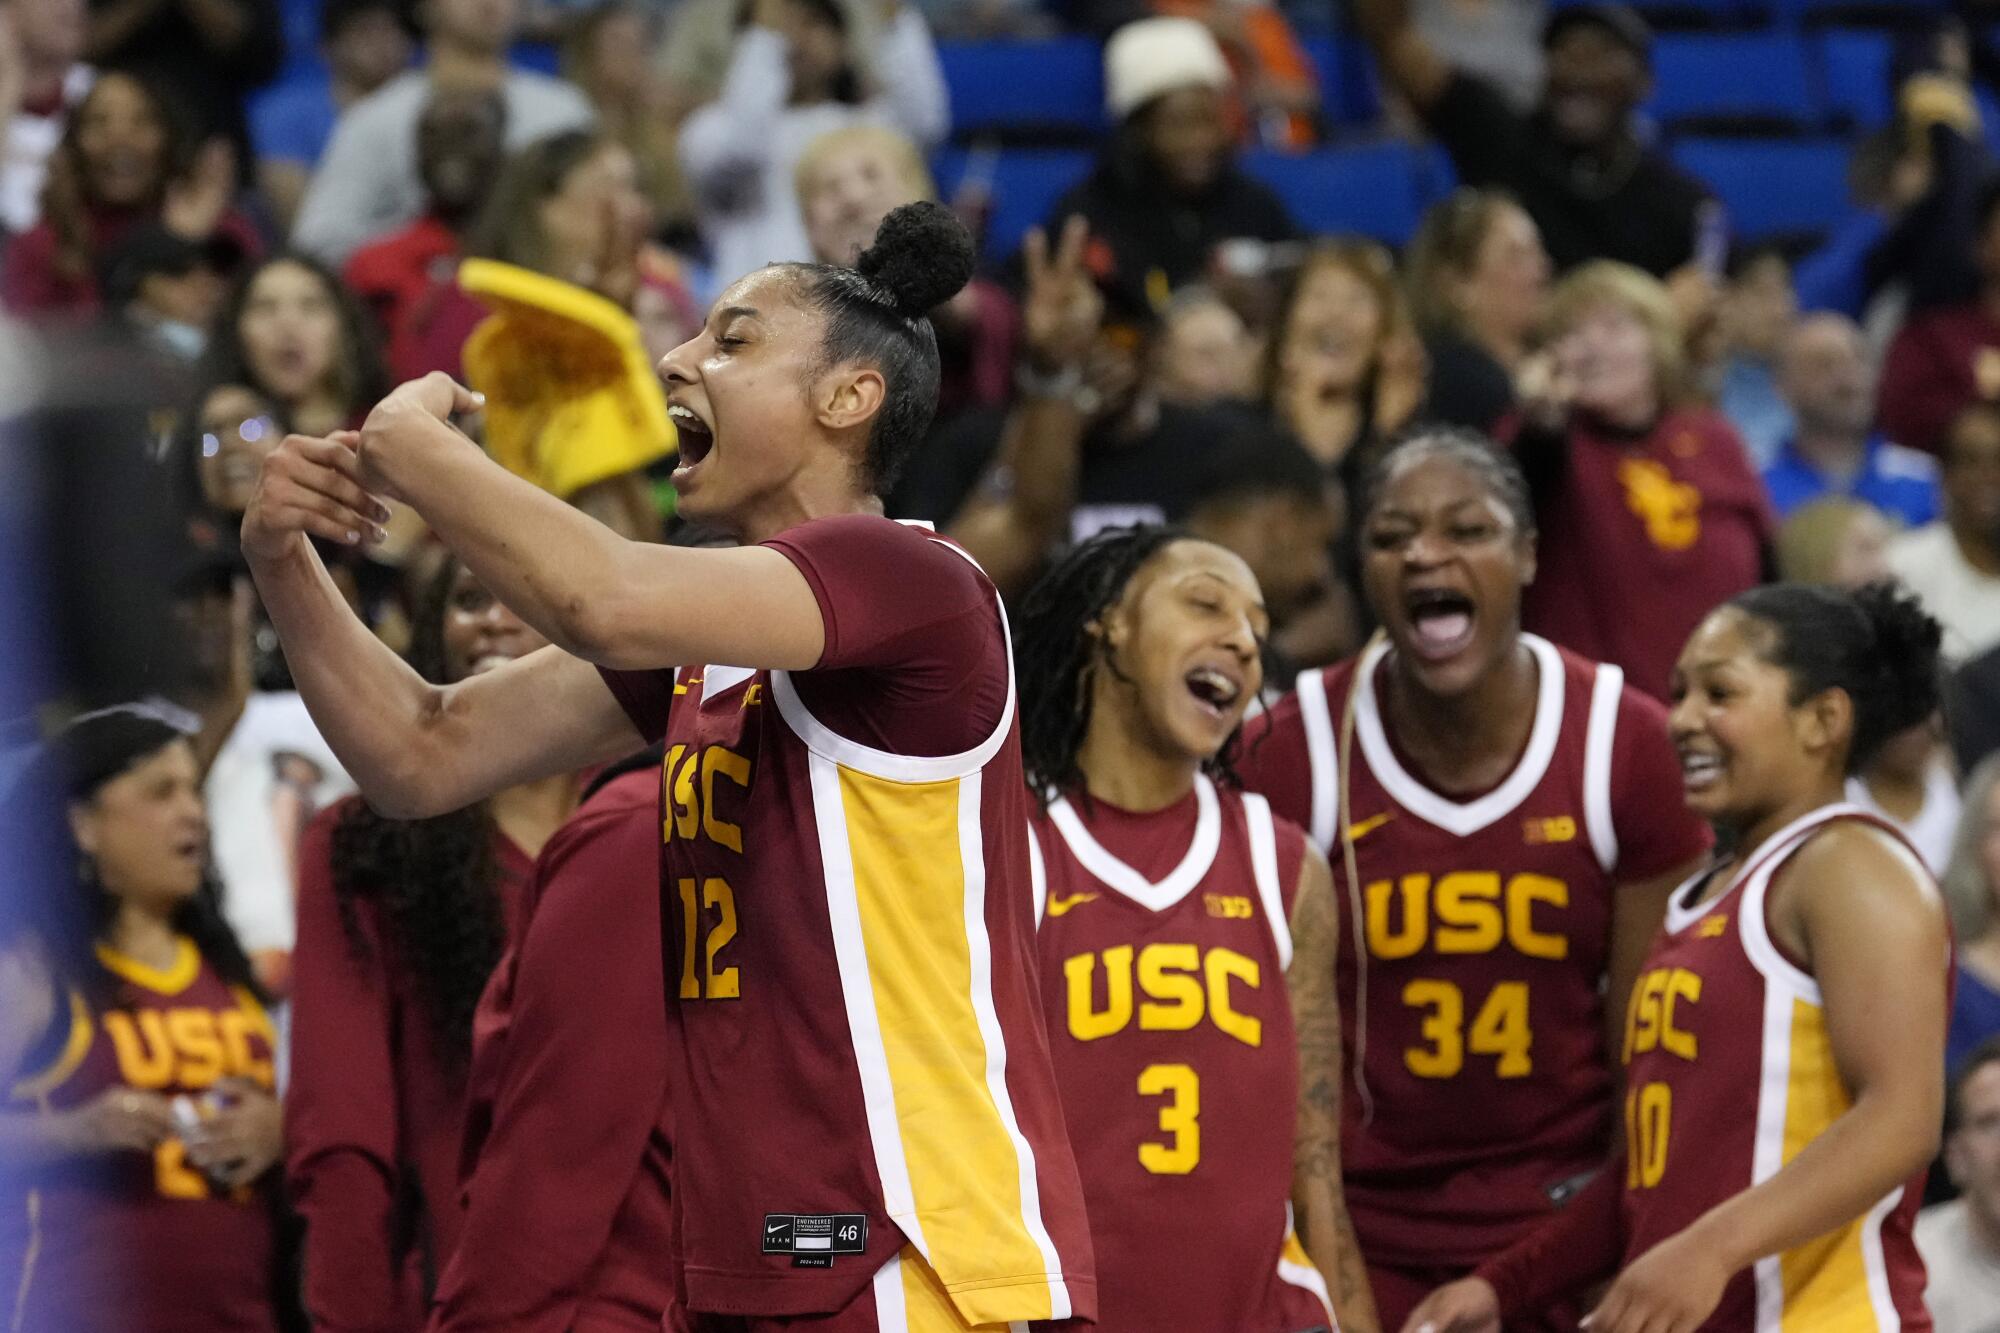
1724 274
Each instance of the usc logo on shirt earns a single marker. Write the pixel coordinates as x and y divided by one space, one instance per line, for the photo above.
1181 984
1464 912
1671 510
189 1047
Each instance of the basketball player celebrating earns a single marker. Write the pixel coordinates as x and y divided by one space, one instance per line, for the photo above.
1784 1048
1139 652
1505 816
869 1135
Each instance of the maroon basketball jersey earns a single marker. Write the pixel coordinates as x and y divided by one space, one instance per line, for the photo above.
856 1046
1479 1090
1729 1073
134 1242
1163 984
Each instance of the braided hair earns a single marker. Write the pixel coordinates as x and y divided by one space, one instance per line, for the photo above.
1056 647
436 881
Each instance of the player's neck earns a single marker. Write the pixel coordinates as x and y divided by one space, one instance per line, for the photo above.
809 496
1454 737
1123 769
143 935
1759 831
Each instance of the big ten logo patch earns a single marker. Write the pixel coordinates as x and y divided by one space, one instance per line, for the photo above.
1669 509
1228 906
1177 987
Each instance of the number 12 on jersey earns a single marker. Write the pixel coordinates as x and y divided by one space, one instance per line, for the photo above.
709 917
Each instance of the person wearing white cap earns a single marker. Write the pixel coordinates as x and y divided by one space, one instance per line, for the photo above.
1166 190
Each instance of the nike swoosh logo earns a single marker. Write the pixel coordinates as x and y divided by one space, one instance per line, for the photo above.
780 1226
1057 906
1357 831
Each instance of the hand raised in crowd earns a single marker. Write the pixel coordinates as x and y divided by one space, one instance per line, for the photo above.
1468 1305
241 1141
123 1120
1062 310
196 201
1545 386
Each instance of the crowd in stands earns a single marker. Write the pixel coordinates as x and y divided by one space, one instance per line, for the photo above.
277 212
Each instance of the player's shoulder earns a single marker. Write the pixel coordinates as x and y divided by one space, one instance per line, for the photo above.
911 550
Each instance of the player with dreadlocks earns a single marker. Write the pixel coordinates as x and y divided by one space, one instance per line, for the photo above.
1178 1064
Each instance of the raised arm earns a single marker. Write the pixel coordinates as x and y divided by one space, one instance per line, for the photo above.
415 749
1411 63
1319 1206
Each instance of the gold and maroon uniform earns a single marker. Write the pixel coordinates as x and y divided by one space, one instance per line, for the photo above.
1164 942
142 1242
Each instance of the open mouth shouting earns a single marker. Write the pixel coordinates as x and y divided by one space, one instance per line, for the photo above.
697 439
1441 620
1217 691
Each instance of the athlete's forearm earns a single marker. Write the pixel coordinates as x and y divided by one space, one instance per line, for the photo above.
1883 1140
1576 1248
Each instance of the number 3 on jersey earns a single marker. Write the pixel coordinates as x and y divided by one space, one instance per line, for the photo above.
1180 1118
1499 1029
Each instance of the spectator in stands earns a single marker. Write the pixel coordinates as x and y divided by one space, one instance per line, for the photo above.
167 289
219 455
1166 190
800 68
292 333
1343 371
147 1178
1477 279
123 162
1953 564
206 54
1576 163
368 184
461 140
42 78
400 925
1960 1240
848 180
1758 308
1911 785
1274 94
365 43
1205 356
1971 885
1498 40
1649 512
608 53
1827 382
1972 710
1835 540
1945 359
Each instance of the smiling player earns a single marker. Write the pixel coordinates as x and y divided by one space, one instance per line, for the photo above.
868 1133
1507 818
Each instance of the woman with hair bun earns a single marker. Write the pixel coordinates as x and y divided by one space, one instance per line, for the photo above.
1784 1046
852 1024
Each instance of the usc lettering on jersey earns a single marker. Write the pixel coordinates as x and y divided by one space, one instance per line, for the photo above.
143 1241
1485 928
1729 1074
1172 1033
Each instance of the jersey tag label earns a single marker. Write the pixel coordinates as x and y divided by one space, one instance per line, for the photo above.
812 1239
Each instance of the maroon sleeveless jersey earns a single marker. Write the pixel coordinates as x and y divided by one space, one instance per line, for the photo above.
1729 1073
141 1242
1164 941
856 1044
1479 1090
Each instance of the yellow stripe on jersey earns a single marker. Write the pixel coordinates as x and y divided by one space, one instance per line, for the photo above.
1825 1281
964 1160
175 979
34 1087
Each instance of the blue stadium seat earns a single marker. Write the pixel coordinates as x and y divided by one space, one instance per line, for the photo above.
1349 91
1874 13
1854 76
1755 77
1378 190
1026 184
1681 15
1025 89
1773 186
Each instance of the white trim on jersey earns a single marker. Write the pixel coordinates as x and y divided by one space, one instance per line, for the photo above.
1767 1155
972 845
1264 866
857 989
1038 876
1304 1275
721 679
823 740
1875 1263
1463 818
1323 755
1115 874
892 1311
1607 691
1751 921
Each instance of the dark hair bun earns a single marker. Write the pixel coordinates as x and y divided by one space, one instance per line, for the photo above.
1907 641
922 256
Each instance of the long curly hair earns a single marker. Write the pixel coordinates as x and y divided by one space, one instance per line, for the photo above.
67 197
358 375
435 882
1057 648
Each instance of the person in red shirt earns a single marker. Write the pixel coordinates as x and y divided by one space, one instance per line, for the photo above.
139 1129
1650 512
1784 1049
568 1132
400 924
461 145
1503 812
867 1129
1140 651
1942 361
